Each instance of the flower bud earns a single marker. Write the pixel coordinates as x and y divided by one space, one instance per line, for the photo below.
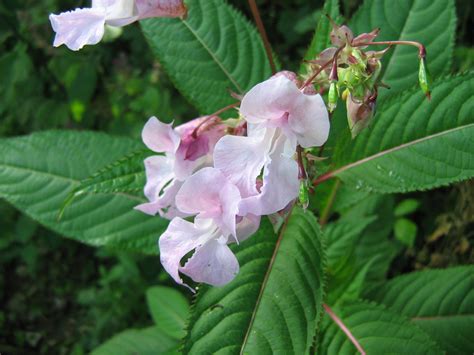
424 78
332 97
303 196
360 113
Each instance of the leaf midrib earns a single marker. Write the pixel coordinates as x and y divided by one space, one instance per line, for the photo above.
442 317
64 178
213 56
265 280
397 148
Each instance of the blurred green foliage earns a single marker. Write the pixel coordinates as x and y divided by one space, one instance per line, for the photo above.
58 296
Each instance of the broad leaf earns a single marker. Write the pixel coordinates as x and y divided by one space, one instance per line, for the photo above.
415 144
213 51
37 173
169 309
274 304
439 301
148 341
377 330
432 23
321 39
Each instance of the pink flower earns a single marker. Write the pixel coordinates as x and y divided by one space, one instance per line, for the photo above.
186 148
84 26
280 116
210 195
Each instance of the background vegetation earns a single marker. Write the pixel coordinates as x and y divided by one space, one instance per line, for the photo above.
57 295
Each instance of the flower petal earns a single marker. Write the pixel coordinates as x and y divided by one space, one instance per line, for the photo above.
241 159
118 12
309 120
160 8
180 238
159 173
77 28
269 100
159 136
247 226
213 263
280 183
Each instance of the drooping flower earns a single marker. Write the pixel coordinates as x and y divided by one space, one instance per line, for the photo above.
84 26
186 148
210 195
279 117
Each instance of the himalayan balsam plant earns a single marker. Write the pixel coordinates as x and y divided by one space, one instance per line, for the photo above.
274 207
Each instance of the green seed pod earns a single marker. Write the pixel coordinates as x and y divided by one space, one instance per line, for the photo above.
303 196
424 78
332 97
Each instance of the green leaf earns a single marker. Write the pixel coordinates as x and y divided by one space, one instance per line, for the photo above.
415 144
214 50
377 330
274 304
148 341
126 175
405 231
321 39
439 301
407 206
432 23
169 310
374 241
37 173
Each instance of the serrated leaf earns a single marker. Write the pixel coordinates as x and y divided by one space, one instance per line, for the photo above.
439 301
274 304
148 341
415 144
321 39
377 330
214 50
169 309
432 23
37 173
126 175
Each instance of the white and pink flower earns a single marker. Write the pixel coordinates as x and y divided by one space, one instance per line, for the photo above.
85 26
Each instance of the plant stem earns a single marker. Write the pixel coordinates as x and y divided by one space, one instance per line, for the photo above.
343 327
324 66
263 34
421 48
327 209
218 112
322 178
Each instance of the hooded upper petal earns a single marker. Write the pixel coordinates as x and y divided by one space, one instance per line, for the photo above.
160 137
309 120
277 102
118 12
77 28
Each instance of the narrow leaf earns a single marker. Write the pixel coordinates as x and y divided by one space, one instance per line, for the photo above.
274 304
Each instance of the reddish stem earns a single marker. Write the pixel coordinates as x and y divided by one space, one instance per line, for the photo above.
343 327
263 34
218 112
324 66
421 48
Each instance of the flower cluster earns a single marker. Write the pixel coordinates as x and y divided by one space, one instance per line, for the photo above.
228 181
